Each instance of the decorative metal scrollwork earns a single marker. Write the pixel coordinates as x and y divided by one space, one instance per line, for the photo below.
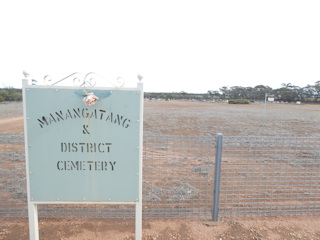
89 80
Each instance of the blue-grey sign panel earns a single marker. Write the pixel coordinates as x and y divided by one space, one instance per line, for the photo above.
79 152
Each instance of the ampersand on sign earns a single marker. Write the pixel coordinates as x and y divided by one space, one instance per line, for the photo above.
85 130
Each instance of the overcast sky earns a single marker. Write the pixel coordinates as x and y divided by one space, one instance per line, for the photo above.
191 46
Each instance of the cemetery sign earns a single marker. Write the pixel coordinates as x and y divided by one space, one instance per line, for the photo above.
83 145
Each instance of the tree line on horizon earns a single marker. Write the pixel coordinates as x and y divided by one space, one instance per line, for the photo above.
287 93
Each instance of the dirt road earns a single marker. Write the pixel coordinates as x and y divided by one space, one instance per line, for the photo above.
11 124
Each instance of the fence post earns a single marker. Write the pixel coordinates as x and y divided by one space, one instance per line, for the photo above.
217 177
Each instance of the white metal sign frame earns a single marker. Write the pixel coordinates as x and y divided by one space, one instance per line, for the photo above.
33 205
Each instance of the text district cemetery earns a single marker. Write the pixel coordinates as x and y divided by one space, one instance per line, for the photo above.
82 147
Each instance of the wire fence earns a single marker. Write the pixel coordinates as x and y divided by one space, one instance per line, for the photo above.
270 176
260 176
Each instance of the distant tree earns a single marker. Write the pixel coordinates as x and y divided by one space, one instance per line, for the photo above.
225 92
259 92
213 94
237 92
161 95
288 92
169 96
4 94
206 97
249 92
317 91
308 93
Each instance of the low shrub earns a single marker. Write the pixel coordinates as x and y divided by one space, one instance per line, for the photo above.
239 101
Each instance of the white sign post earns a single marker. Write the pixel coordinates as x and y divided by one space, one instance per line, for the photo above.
83 145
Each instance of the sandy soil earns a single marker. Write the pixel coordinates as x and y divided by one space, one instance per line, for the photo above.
188 118
201 118
198 118
298 227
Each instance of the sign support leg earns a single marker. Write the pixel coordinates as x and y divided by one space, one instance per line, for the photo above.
139 220
139 203
33 221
